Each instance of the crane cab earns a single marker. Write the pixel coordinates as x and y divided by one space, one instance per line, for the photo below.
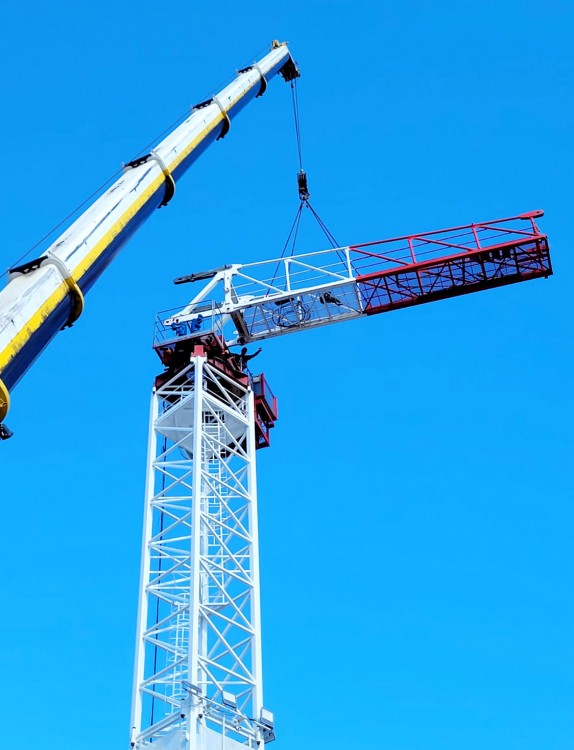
265 410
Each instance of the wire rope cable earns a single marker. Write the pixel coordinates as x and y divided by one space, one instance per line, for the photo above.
324 227
302 180
295 100
304 197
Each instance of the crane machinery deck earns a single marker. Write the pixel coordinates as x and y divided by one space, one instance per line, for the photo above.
198 677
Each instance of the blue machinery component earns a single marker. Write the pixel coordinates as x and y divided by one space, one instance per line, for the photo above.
47 294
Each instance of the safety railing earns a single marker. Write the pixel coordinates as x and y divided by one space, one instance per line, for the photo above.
413 249
169 326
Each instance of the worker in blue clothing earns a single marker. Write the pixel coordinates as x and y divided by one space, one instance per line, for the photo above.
196 323
183 328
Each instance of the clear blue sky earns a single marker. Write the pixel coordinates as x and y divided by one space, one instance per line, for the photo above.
416 504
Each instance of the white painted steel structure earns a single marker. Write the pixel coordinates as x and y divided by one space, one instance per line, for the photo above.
255 301
198 681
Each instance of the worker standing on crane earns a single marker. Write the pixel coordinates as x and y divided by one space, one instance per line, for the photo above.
243 358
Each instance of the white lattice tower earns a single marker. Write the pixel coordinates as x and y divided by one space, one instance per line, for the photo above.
198 681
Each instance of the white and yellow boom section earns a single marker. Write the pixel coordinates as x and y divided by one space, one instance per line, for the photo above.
47 294
247 303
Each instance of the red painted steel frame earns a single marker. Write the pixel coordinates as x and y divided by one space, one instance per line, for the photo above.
414 269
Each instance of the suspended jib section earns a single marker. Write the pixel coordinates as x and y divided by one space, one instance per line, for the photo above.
271 298
437 265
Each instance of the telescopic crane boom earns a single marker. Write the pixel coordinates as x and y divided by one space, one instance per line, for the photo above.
47 294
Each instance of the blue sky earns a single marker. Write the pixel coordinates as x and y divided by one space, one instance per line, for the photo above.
415 507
